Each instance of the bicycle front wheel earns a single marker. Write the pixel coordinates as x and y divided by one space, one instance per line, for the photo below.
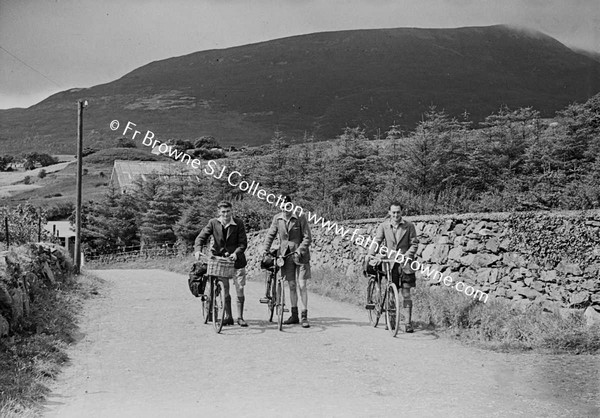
272 288
373 302
206 304
218 304
280 303
392 309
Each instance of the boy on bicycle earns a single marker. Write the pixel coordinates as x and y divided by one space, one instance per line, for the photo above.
294 237
401 238
229 236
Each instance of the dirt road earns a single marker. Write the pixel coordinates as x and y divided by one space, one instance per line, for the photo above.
145 353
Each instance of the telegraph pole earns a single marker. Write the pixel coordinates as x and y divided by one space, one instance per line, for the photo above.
81 104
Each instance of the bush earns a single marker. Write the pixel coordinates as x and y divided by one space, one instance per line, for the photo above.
27 180
42 174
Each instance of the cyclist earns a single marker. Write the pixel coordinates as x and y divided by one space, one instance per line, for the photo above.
401 238
294 237
229 240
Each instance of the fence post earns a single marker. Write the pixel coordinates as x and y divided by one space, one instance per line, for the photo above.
6 231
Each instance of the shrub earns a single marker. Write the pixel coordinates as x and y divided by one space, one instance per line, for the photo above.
42 174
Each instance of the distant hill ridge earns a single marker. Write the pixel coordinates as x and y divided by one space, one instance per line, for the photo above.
318 83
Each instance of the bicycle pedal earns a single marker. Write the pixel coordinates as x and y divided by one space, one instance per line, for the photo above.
370 306
264 300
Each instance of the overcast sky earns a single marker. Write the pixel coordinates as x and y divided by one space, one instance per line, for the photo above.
51 45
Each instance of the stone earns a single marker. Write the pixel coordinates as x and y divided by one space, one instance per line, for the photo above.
538 286
485 232
569 268
455 253
471 246
504 244
527 292
440 254
548 276
459 241
578 298
428 252
494 275
4 327
467 260
443 240
592 316
420 249
492 245
483 275
459 229
484 260
528 281
513 259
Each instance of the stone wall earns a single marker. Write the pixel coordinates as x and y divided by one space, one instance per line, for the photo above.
25 271
540 257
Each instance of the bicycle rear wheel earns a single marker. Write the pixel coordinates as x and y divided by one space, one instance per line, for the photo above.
280 303
392 309
218 305
373 301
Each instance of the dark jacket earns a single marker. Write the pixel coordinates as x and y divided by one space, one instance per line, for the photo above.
234 242
406 245
294 236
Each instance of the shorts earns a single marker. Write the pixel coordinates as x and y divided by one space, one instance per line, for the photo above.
406 280
291 270
239 278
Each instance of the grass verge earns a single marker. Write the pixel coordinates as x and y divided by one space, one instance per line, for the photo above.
34 356
494 325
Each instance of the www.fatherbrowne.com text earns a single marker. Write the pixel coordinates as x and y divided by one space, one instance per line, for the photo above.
235 179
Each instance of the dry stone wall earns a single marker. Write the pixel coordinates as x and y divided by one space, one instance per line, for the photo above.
26 271
547 258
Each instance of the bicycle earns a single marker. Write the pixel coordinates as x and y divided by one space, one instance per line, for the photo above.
275 291
271 268
385 301
219 268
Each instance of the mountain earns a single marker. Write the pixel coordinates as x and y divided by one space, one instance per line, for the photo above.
317 83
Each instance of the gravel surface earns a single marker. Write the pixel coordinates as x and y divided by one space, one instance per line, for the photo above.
144 352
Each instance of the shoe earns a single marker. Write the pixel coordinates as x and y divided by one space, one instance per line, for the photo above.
266 299
242 323
305 323
408 328
294 318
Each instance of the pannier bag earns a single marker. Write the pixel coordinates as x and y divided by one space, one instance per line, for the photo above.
197 278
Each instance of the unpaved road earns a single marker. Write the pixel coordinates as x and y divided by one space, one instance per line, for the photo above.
145 353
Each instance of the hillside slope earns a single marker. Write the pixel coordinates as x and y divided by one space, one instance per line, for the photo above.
318 83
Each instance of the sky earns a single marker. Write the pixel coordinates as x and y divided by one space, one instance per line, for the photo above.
47 46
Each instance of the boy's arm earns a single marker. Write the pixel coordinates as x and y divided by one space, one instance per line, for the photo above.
203 236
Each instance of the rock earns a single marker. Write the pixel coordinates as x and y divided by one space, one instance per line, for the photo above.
4 327
592 316
504 244
459 229
443 240
569 268
494 275
578 298
528 292
428 252
548 276
484 260
492 245
528 281
538 286
455 253
483 275
513 259
440 255
471 246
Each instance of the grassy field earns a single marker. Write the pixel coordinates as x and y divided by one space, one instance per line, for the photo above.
28 361
494 325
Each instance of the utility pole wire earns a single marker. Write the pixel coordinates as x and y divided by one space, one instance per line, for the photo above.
29 66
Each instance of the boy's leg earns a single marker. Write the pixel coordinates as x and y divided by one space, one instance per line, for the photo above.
240 282
288 270
303 276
